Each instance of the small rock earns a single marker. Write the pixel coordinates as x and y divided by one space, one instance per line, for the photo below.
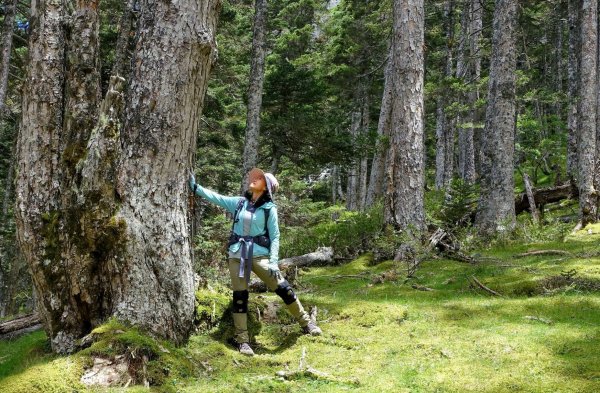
106 372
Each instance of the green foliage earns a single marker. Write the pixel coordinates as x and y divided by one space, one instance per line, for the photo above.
349 233
211 305
460 204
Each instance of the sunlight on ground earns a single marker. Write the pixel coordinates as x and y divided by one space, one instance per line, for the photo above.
389 337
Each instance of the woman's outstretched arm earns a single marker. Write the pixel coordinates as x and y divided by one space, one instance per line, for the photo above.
226 202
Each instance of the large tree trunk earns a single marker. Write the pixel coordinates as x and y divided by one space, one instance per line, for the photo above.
573 85
405 184
101 208
255 89
496 211
37 180
444 155
586 144
7 37
375 190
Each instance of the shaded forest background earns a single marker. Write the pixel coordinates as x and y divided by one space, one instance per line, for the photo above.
324 81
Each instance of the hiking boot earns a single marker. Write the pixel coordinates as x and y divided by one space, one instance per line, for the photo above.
312 329
245 349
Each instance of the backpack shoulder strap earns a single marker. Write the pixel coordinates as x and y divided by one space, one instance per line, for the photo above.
238 208
267 211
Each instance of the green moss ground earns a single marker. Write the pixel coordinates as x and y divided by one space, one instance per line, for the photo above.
384 337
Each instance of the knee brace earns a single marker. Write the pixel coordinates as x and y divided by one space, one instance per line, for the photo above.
240 301
286 293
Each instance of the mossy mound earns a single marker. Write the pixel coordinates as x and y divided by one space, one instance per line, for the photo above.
149 361
589 234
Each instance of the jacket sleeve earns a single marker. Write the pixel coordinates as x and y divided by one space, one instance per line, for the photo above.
228 203
273 226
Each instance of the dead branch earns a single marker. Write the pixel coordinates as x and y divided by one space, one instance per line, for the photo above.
488 290
306 371
543 252
421 288
313 314
534 318
531 199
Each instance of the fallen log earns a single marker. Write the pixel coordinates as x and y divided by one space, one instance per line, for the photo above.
543 196
323 255
21 325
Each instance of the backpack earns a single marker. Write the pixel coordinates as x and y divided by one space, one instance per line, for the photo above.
261 240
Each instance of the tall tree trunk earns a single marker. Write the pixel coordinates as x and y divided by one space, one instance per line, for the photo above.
404 207
558 56
471 27
586 143
101 207
352 189
7 37
375 190
574 59
496 211
476 113
364 168
255 89
444 157
334 184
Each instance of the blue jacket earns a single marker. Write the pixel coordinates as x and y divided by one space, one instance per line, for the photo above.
257 227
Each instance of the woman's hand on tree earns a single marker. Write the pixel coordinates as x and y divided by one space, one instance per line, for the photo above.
192 182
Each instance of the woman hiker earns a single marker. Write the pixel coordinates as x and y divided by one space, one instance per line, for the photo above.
254 246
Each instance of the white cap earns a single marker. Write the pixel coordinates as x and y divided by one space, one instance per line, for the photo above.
272 184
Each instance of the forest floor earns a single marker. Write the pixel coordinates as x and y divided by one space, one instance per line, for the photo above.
382 333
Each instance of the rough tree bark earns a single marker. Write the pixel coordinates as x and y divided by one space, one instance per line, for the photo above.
496 210
122 65
101 206
375 190
574 9
405 172
444 129
586 140
10 7
255 89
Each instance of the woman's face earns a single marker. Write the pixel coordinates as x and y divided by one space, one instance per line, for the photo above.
257 184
